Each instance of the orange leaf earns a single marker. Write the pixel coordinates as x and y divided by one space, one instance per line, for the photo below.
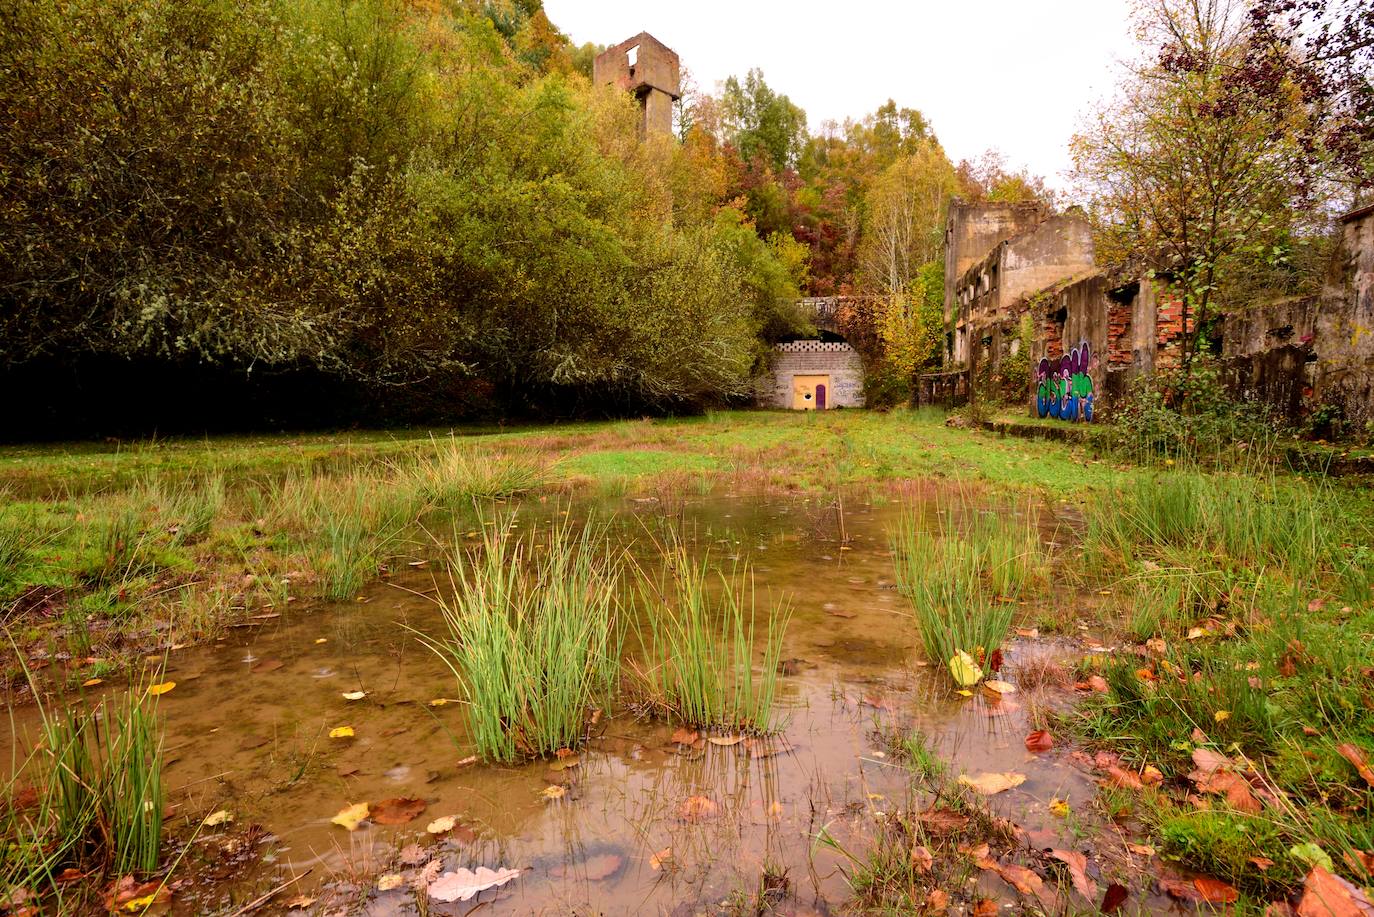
1078 866
1215 891
1355 755
1039 740
1326 895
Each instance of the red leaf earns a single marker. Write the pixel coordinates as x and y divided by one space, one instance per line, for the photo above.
1078 865
1039 741
1115 897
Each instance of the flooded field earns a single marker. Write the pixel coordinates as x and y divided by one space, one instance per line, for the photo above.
639 821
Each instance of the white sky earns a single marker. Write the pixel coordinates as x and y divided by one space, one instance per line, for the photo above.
1010 74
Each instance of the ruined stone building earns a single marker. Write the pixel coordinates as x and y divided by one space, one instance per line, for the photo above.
649 69
815 374
1012 268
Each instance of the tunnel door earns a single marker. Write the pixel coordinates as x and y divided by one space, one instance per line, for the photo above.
809 392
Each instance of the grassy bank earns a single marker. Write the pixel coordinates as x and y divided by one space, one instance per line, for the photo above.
114 549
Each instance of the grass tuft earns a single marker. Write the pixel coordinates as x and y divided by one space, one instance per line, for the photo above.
533 637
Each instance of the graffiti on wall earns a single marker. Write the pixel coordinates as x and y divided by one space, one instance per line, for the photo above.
1064 387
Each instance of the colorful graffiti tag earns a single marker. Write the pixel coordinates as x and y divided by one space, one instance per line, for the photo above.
1064 387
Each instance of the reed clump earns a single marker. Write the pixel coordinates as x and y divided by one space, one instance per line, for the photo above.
710 657
533 636
963 573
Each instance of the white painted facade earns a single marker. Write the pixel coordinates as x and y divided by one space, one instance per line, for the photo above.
799 367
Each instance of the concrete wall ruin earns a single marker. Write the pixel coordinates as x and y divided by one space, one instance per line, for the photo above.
649 69
1302 354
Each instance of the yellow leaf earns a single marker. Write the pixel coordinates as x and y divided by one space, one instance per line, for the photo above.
215 819
554 791
1001 687
352 816
341 732
92 682
991 784
441 701
388 882
1197 633
1221 716
354 695
964 693
964 670
163 688
1059 807
321 639
442 824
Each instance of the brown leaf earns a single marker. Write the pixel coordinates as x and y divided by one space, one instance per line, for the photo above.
1356 756
937 900
943 821
696 809
922 860
1360 861
1022 879
1078 865
985 907
979 854
1327 895
1115 897
684 736
1120 777
397 811
1215 891
876 701
593 869
992 784
1233 786
1039 741
1207 760
1182 889
266 665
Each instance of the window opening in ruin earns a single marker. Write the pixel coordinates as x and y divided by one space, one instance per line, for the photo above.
632 56
1061 316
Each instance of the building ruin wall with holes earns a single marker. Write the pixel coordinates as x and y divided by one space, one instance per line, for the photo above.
1091 333
651 71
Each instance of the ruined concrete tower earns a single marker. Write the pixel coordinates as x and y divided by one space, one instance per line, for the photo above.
648 68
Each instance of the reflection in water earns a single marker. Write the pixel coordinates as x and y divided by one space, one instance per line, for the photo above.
254 738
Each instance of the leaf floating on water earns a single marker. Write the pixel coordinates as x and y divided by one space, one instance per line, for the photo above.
299 903
465 883
565 763
725 740
341 732
696 809
593 869
1001 687
663 858
215 819
992 784
354 695
1059 807
964 670
441 824
352 816
1039 741
470 759
162 688
443 701
554 791
684 736
267 665
397 811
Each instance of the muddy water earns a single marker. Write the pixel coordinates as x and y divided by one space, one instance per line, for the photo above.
249 720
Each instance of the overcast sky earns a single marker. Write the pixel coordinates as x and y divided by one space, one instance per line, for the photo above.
1010 74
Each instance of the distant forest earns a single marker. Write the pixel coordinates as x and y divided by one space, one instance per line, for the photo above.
258 213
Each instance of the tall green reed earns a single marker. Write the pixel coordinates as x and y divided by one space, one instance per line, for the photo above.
963 573
533 636
709 658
